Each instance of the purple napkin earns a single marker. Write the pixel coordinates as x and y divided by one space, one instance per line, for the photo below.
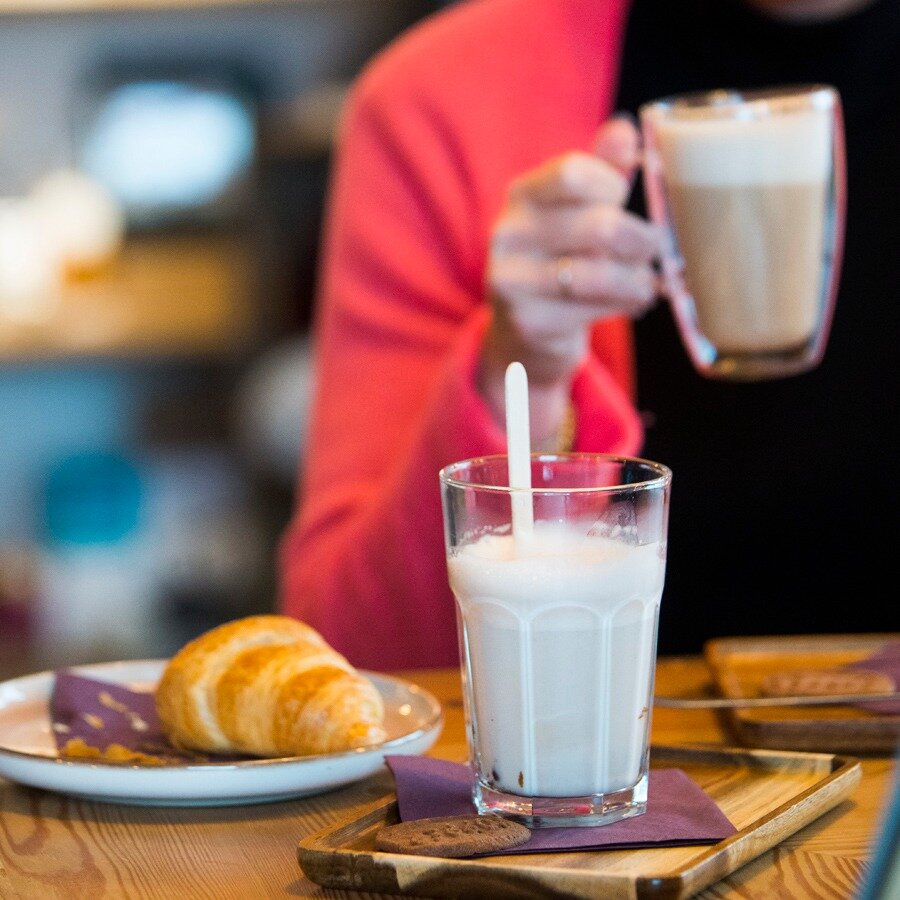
103 714
887 662
678 812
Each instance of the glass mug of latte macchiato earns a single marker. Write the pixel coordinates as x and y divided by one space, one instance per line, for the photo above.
557 628
750 188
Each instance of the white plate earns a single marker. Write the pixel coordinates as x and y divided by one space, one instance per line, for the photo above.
413 719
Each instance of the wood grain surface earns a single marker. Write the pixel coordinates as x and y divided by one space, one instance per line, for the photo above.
53 847
767 796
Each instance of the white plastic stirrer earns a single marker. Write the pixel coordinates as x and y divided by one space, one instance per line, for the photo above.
518 452
518 455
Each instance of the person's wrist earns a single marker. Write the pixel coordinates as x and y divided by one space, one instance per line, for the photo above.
551 418
565 435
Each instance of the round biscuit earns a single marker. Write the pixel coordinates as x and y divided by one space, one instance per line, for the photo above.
821 682
452 835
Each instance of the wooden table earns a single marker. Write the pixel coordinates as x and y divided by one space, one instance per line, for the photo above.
52 846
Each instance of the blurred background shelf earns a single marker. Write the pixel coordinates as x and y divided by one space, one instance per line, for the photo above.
47 7
162 298
154 410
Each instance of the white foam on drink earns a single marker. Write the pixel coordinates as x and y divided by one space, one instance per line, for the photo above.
792 147
561 644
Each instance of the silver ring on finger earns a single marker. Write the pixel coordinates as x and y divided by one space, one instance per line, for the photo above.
564 276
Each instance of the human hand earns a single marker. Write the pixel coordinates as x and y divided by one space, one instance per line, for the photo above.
564 253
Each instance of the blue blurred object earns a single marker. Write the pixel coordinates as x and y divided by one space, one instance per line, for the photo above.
882 882
50 413
92 498
170 149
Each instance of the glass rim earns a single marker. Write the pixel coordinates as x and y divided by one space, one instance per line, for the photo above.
662 478
733 103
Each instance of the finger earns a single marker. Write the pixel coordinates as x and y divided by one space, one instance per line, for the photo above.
605 285
593 230
618 143
602 283
542 324
574 177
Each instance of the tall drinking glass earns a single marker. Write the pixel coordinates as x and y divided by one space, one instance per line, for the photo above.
750 188
557 629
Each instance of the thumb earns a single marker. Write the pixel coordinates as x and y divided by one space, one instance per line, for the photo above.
618 143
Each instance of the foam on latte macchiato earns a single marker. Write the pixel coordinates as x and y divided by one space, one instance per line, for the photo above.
747 198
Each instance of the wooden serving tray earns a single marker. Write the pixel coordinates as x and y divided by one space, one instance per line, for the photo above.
739 664
767 796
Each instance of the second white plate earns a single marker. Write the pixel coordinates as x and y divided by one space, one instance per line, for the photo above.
413 719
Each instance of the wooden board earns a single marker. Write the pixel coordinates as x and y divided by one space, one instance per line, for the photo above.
738 666
767 796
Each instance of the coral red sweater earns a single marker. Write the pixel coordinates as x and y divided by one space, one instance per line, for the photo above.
434 130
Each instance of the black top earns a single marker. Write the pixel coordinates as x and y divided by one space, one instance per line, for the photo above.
785 493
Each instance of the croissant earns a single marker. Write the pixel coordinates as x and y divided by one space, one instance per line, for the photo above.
267 685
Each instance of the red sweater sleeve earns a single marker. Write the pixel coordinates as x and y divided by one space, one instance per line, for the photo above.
400 320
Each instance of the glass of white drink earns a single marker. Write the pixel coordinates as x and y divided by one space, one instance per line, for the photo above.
750 187
557 628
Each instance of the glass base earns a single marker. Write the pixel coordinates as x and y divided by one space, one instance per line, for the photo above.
563 812
758 366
